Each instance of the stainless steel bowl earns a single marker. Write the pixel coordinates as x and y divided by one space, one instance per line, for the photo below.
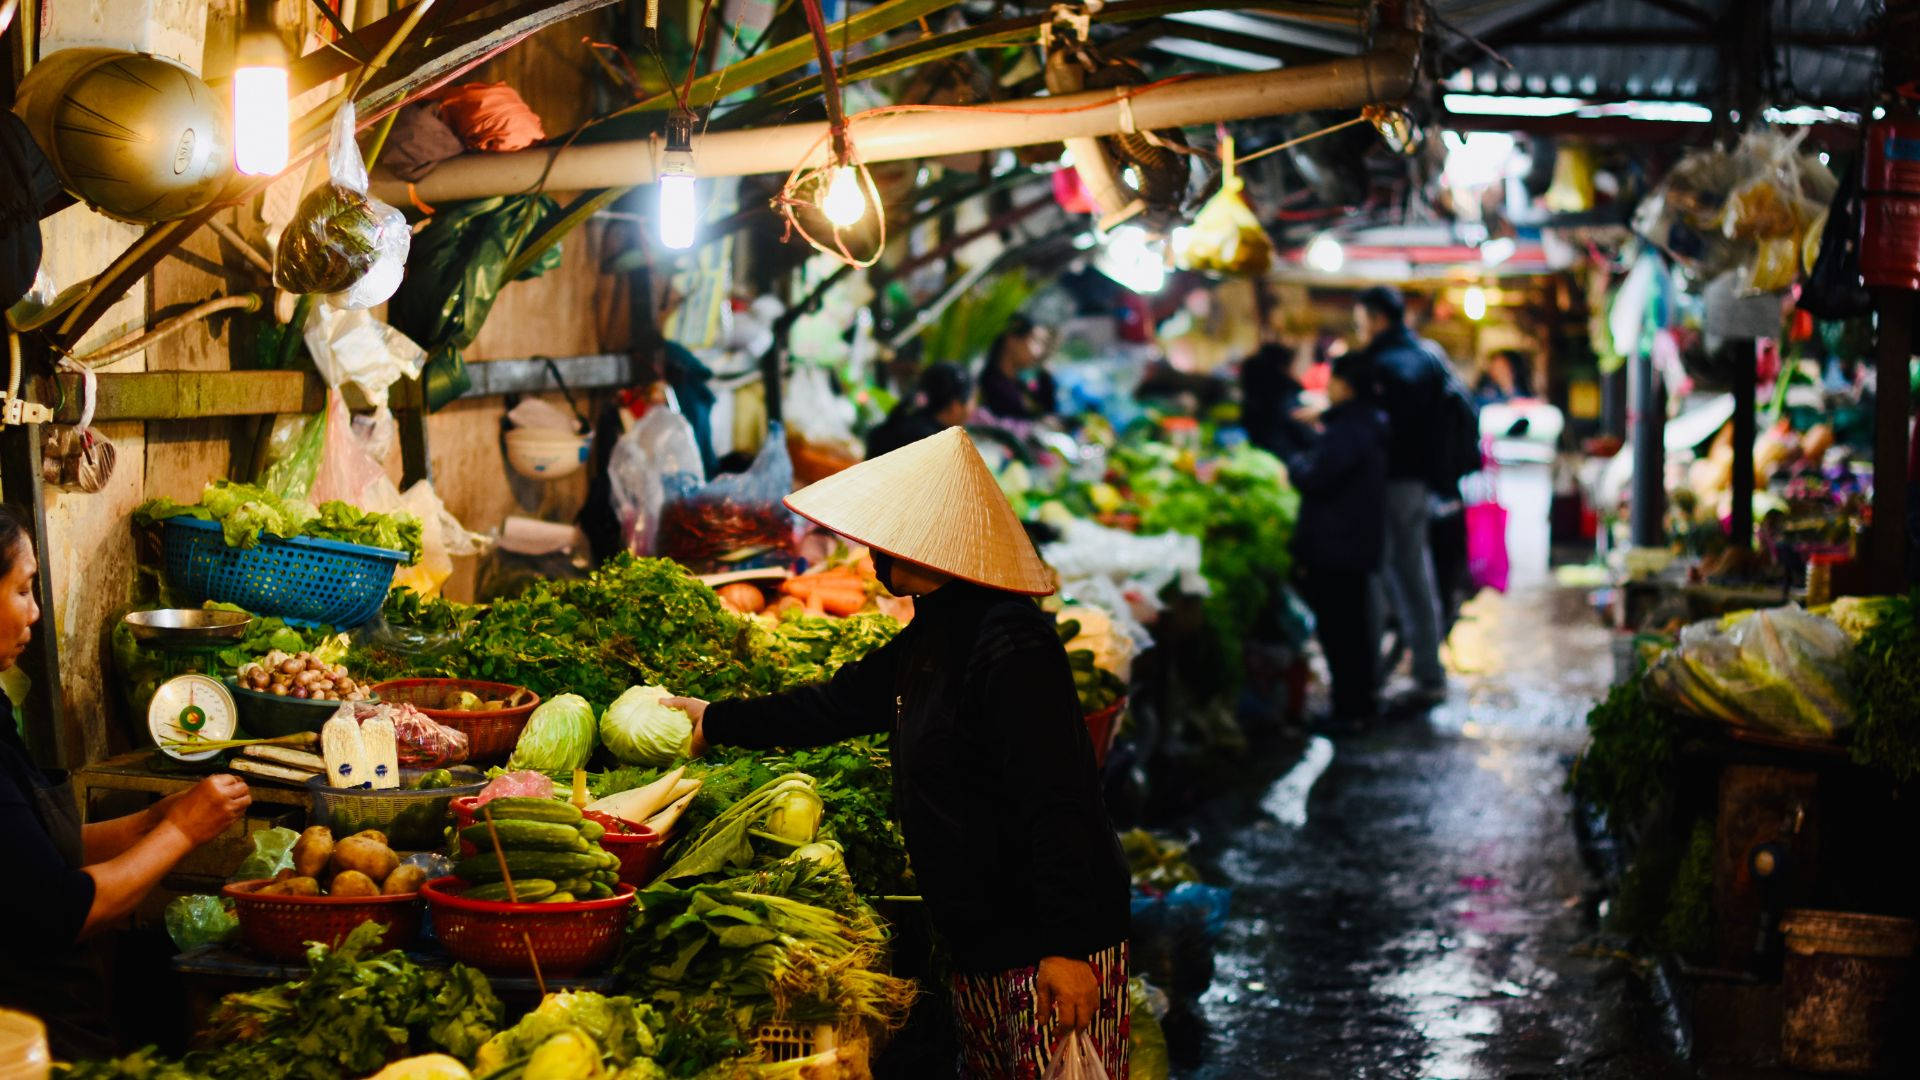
196 624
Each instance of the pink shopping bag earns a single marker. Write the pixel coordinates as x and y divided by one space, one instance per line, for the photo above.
1487 545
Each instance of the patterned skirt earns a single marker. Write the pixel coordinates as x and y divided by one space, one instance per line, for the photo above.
1004 1037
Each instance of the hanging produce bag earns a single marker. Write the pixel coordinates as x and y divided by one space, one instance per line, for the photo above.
1225 237
458 262
342 241
77 457
1834 289
1781 670
738 522
658 447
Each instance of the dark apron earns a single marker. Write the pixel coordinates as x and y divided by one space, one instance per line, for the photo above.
67 990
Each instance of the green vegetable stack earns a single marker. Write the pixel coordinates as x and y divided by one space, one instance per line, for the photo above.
1098 687
246 511
550 848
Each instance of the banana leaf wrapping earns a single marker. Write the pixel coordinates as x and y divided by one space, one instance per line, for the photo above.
332 242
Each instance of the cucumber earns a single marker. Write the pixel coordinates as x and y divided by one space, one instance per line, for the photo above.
608 860
599 890
526 808
519 835
552 865
592 830
577 886
529 890
559 898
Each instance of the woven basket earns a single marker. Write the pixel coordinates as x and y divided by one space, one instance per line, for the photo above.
490 735
302 580
494 936
413 820
279 927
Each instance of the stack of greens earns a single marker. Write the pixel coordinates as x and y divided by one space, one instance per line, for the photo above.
579 1034
1885 666
246 512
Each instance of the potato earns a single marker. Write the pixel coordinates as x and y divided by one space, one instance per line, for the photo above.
352 883
374 835
272 888
286 873
370 857
312 851
300 886
404 880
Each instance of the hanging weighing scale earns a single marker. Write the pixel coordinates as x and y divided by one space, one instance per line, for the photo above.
186 708
189 704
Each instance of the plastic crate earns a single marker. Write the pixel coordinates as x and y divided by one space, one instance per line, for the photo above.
780 1041
302 580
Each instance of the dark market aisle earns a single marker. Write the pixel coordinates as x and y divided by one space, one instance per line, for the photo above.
1424 911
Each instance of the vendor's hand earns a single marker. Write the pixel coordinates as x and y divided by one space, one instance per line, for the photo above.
1307 414
1067 989
696 710
209 807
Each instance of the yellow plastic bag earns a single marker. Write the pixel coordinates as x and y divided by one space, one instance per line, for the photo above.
1572 189
1225 237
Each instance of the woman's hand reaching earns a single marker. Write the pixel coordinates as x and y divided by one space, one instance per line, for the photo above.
209 807
1068 989
696 710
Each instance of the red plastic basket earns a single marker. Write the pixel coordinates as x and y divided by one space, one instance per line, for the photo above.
490 735
279 927
1101 728
640 853
494 936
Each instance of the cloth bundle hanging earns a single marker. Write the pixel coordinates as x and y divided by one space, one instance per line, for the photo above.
77 457
490 117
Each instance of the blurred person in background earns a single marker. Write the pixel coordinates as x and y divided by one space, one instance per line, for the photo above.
943 399
1014 383
1504 377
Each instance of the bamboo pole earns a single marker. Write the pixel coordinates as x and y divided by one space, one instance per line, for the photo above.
1384 75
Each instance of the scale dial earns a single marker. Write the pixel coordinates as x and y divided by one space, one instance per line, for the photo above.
190 706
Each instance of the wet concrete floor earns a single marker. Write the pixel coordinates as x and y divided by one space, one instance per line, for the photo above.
1411 903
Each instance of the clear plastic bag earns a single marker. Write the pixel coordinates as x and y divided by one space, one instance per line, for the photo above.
736 522
272 853
1076 1058
658 445
1781 670
343 242
351 346
196 921
1225 237
423 742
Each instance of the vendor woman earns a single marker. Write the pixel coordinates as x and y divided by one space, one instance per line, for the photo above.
67 881
994 780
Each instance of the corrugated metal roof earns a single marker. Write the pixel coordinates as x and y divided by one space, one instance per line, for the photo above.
1653 50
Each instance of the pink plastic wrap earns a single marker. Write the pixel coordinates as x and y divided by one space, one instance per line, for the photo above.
527 783
424 743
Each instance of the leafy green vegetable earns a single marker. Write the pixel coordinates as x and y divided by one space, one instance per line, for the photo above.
631 1035
1629 765
726 843
246 512
1885 666
641 731
558 738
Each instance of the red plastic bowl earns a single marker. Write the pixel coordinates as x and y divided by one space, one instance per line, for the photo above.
495 936
640 854
279 927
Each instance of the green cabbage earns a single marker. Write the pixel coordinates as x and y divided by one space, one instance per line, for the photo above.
558 737
641 731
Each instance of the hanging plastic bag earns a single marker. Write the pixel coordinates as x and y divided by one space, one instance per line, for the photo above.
293 454
659 445
77 456
1571 191
738 522
1834 289
351 346
442 538
1225 237
1076 1058
197 921
347 472
343 242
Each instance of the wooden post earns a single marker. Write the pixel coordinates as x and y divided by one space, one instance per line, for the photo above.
1893 412
1740 529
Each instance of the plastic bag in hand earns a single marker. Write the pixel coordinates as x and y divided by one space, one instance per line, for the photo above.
1076 1059
342 241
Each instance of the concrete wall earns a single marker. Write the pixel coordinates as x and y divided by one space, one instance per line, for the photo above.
571 310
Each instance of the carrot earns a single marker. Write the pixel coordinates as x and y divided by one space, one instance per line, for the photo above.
815 606
808 584
841 603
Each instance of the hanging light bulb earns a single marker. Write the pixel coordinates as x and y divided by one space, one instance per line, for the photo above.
678 210
1326 255
260 113
1474 303
844 203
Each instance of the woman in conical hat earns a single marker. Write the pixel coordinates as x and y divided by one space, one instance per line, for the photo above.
994 780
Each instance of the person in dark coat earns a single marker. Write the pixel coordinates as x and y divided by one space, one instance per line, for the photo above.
942 400
1269 400
1014 384
1340 535
995 787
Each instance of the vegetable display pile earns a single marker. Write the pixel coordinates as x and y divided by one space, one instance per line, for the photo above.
360 865
550 848
1628 767
245 512
1886 670
1098 687
300 675
355 1011
575 1035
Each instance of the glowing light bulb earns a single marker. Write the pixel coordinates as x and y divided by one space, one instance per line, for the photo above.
678 210
260 113
844 202
1326 255
1474 303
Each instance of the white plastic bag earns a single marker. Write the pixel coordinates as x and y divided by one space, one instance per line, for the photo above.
351 346
342 241
1076 1059
658 445
1782 670
816 413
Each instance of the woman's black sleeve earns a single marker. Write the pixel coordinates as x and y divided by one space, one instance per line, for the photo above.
46 913
857 700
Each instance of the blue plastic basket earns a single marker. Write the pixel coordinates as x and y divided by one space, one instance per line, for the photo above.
301 580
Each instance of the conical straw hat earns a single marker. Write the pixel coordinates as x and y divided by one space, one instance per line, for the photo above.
932 502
